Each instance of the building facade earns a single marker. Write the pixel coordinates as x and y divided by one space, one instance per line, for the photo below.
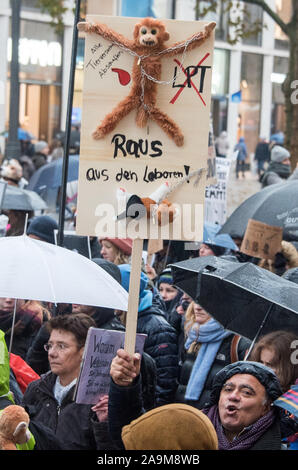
247 99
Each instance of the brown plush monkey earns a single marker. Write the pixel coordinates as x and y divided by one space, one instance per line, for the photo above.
148 45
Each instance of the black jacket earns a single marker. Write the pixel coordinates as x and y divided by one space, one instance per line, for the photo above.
75 425
161 345
125 405
44 437
262 152
222 359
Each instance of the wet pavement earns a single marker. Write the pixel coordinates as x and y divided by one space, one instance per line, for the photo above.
240 189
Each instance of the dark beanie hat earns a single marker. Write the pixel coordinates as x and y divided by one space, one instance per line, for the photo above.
165 277
43 227
217 250
262 373
109 267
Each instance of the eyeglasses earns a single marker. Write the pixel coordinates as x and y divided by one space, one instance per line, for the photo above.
60 346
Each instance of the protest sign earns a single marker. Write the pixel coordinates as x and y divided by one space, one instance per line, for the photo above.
216 195
138 161
261 240
154 246
100 349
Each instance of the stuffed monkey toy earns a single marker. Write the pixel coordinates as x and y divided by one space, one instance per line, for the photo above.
148 46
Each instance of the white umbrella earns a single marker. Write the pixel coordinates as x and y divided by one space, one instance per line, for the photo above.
37 270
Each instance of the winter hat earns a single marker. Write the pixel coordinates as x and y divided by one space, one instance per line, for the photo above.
262 373
40 146
12 170
124 244
43 227
145 300
279 154
176 426
165 277
217 250
109 267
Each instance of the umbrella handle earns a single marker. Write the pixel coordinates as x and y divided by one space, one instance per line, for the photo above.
258 333
12 326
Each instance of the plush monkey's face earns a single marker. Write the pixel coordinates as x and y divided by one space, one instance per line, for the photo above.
150 34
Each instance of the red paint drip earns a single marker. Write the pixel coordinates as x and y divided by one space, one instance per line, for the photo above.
123 76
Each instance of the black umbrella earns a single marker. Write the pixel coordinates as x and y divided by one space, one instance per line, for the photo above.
249 300
186 274
275 205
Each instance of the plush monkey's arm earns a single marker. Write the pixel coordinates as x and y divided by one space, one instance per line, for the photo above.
106 32
196 40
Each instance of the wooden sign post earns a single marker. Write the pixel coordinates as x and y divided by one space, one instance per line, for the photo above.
144 135
133 298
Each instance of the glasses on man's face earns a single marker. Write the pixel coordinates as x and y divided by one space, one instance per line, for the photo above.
59 347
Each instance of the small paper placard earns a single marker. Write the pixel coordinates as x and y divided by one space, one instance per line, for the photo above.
100 349
261 240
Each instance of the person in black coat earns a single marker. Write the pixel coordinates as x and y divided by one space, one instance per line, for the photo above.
161 342
50 400
262 154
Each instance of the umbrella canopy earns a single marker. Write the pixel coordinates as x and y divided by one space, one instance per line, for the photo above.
275 205
38 270
211 235
186 274
22 200
49 176
244 298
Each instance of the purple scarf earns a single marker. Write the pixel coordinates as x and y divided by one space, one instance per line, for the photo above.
247 438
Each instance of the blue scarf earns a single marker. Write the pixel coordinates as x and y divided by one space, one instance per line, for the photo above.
211 335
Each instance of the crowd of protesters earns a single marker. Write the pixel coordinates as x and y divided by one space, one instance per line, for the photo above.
193 373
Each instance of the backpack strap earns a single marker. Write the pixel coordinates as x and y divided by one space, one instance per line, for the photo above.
234 348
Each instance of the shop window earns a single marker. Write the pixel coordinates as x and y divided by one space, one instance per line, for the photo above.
30 5
284 11
40 52
187 10
249 108
219 89
278 117
254 16
220 16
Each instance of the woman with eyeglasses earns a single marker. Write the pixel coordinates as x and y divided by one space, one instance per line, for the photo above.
50 400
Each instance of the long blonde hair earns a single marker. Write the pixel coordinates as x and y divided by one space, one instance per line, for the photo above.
189 318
